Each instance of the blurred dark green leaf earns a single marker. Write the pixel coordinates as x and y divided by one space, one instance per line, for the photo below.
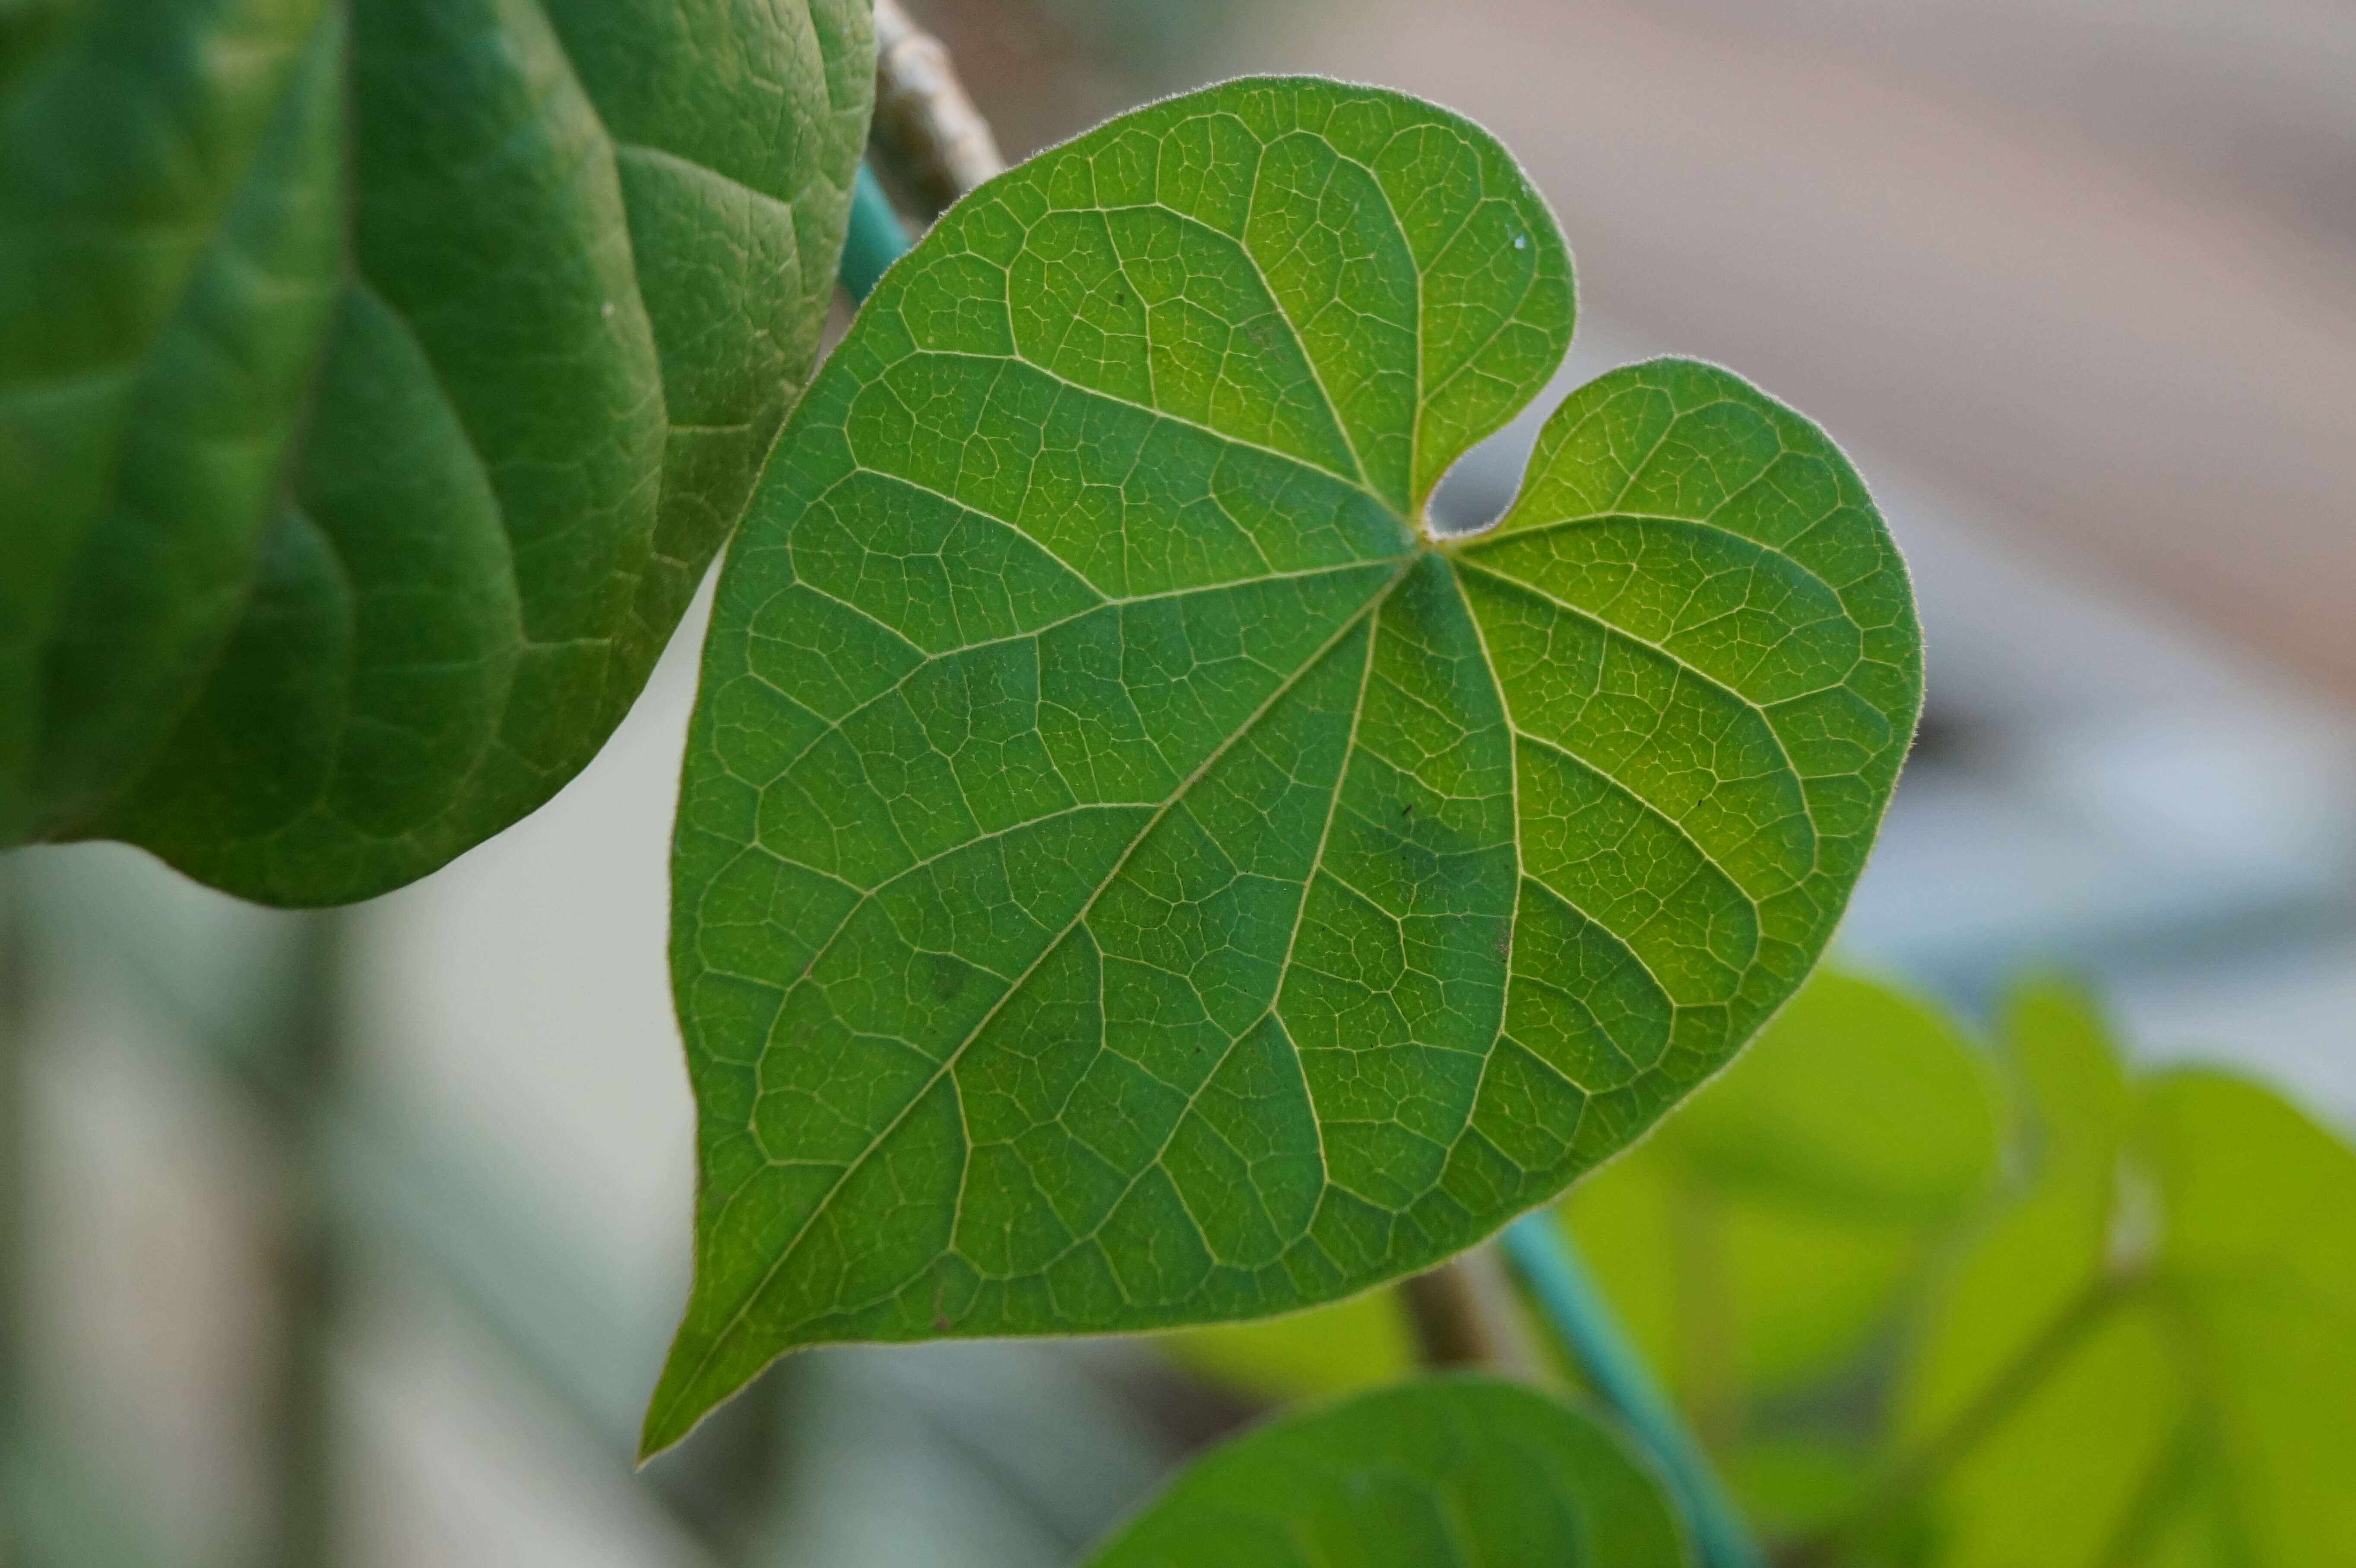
376 381
1764 1232
1439 1472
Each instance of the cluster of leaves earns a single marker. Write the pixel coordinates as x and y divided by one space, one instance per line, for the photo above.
1943 1306
1130 872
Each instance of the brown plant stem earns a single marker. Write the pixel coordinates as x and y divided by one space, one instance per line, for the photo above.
1451 1329
305 1260
15 1125
1465 1313
933 142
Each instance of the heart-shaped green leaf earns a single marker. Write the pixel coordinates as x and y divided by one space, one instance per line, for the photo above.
1130 873
1434 1473
376 380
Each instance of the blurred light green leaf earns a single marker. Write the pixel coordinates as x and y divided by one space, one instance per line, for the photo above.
2257 1271
376 382
1360 1343
1791 1486
2045 1250
2147 1360
1129 873
1431 1474
1858 1101
1765 1231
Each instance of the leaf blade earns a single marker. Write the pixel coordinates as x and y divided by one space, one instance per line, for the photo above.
1269 1058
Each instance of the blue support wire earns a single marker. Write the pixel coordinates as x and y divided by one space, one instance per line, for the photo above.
876 238
1575 1309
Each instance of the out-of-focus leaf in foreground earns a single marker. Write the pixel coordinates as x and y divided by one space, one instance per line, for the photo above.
2147 1359
1129 873
376 381
1434 1473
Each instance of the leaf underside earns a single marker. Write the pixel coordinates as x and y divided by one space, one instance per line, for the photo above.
1438 1474
377 379
1128 873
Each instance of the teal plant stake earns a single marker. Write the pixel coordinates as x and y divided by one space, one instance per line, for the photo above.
1579 1316
876 238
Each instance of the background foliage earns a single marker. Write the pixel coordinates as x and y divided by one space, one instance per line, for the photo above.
2020 1304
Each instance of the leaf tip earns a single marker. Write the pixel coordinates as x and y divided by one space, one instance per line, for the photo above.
676 1408
661 1430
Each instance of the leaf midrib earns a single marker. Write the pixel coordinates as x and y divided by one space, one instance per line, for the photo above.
1300 917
